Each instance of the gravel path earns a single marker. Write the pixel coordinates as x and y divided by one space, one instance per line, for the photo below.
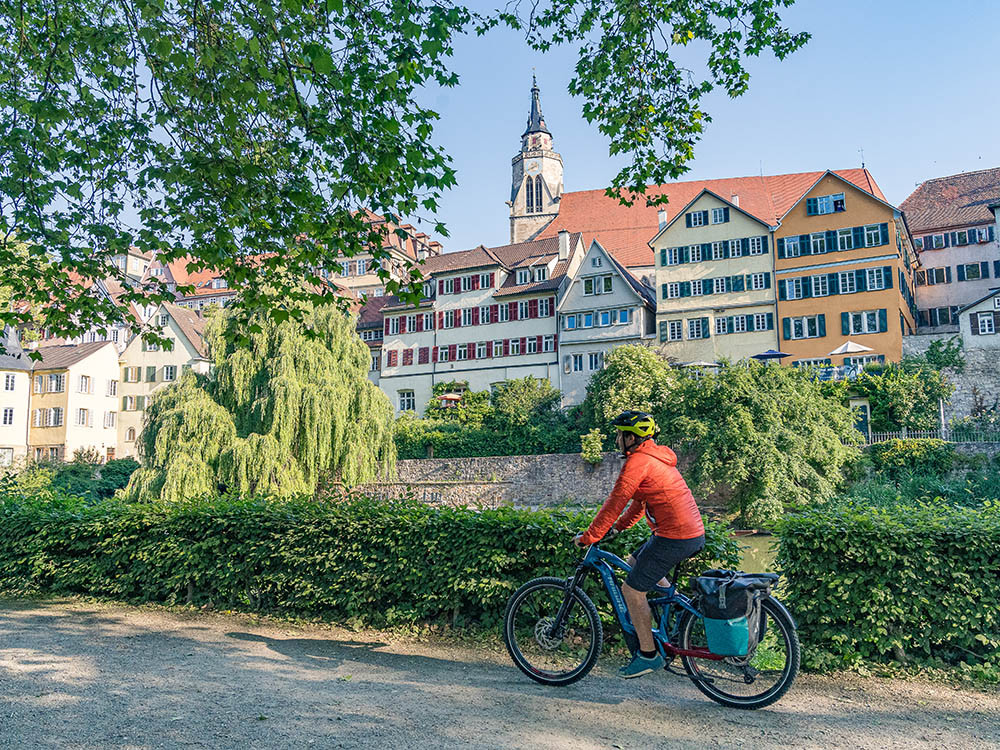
104 677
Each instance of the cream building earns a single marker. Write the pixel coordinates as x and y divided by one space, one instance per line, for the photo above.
145 368
715 282
15 384
74 401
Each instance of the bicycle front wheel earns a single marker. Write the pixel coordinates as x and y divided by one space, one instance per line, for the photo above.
753 681
549 652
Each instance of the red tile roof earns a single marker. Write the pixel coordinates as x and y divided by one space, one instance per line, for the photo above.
954 201
625 230
370 315
61 356
192 325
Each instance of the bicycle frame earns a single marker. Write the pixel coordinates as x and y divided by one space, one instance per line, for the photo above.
605 563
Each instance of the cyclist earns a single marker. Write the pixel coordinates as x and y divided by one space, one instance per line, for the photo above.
649 479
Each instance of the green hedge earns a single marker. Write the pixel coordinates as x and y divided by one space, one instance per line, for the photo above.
894 583
368 561
913 456
454 440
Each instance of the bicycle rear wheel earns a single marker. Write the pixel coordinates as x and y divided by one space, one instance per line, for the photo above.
547 652
753 681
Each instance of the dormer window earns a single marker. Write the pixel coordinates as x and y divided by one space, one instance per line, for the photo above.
218 283
484 281
596 261
428 290
541 273
523 275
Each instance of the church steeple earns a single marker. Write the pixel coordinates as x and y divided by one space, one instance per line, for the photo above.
537 176
536 122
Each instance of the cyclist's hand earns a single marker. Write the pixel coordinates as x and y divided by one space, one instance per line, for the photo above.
612 533
577 538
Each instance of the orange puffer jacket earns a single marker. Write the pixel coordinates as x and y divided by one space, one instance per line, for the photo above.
651 481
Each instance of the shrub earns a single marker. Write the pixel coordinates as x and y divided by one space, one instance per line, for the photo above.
592 447
372 561
893 583
913 455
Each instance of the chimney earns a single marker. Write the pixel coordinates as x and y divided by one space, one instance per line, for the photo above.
735 200
661 215
563 244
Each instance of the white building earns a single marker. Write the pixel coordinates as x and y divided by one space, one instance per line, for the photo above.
146 367
489 315
604 307
15 381
954 224
980 322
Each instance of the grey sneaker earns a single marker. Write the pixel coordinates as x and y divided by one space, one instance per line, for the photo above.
640 665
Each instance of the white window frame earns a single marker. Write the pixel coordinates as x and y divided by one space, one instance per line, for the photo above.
515 347
57 383
531 345
449 318
465 284
394 326
847 279
873 235
596 262
481 350
675 330
541 273
697 219
523 276
498 348
875 279
757 281
697 287
820 285
466 316
577 363
694 254
588 283
169 373
549 343
692 324
607 285
719 285
569 322
975 267
985 323
484 315
673 256
604 319
428 321
739 324
801 325
9 382
461 353
595 360
484 281
721 326
845 239
8 415
862 321
544 307
673 290
110 419
523 309
718 251
449 286
817 243
792 249
760 321
756 246
793 288
718 216
411 323
587 319
407 400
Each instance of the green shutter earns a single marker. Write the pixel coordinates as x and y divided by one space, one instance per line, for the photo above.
749 323
704 218
884 233
725 248
883 321
745 246
781 247
764 243
786 328
706 251
770 321
685 288
725 213
831 240
833 283
663 256
731 324
807 290
887 276
805 246
822 325
736 284
845 323
748 281
767 280
684 256
124 401
811 207
687 219
961 273
859 236
663 331
860 280
663 290
704 328
729 283
984 270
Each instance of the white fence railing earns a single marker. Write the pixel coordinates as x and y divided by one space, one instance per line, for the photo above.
951 436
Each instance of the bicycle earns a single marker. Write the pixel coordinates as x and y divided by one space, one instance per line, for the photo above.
554 635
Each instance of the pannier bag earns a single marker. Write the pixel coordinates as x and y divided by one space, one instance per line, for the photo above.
729 601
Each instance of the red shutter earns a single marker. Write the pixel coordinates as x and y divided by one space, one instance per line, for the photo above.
407 356
393 358
475 316
552 306
453 352
440 320
386 326
475 282
489 348
524 345
434 354
440 286
402 324
458 318
420 322
422 355
472 350
538 343
555 340
495 313
506 347
533 308
492 276
512 310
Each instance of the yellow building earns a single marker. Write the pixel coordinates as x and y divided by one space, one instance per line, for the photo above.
74 397
844 265
714 279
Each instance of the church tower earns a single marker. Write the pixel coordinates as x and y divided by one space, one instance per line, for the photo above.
537 177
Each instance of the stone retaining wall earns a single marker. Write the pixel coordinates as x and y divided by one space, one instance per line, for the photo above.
979 383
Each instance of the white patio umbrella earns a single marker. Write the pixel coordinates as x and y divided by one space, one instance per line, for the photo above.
850 347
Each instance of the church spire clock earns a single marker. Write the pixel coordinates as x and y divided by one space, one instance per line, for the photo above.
536 176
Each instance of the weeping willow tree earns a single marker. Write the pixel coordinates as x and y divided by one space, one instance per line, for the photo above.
282 413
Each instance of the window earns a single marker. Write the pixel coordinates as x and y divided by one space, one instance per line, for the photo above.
484 315
596 360
522 310
971 272
548 343
373 366
825 204
443 354
792 247
938 275
873 235
449 318
694 253
428 323
531 345
845 239
577 363
411 323
758 281
523 275
169 373
876 279
866 321
466 282
112 388
740 324
846 282
8 415
497 348
805 327
793 288
986 323
718 251
673 290
161 320
8 382
587 320
6 456
818 242
219 284
515 346
569 322
362 267
624 316
696 218
53 454
605 319
606 284
345 268
449 286
698 287
110 418
56 417
735 249
503 313
541 273
544 307
151 374
39 384
721 328
128 403
756 246
461 352
407 401
820 285
393 326
467 316
719 285
696 329
671 256
596 262
481 350
720 215
57 383
675 330
484 281
760 322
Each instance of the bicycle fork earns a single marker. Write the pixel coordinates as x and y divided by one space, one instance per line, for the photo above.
556 630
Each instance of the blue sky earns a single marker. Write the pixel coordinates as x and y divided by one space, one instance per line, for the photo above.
916 84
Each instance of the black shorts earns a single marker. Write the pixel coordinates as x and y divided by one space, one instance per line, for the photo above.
658 556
